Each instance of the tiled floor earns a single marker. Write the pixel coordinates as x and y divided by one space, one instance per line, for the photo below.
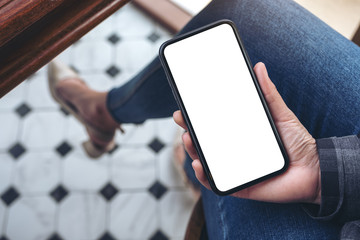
49 188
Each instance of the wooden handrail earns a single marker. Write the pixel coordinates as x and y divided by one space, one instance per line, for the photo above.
18 15
49 35
165 12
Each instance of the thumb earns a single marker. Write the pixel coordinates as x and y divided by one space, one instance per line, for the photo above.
277 106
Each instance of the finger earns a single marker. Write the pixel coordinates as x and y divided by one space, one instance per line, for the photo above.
178 118
189 147
277 106
200 174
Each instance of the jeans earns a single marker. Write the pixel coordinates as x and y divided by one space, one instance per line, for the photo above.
316 71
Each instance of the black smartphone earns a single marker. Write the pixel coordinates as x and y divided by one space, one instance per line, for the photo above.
221 101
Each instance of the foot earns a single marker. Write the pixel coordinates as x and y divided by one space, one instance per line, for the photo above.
90 105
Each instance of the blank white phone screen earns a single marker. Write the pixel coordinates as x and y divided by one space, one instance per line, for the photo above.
224 107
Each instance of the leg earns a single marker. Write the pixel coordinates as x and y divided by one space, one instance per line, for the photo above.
147 95
314 68
306 72
233 218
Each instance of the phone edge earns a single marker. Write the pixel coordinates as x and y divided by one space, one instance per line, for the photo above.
188 122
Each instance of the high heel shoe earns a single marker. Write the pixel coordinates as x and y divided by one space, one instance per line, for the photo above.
99 141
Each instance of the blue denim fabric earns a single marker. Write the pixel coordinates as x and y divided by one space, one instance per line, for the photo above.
233 218
315 69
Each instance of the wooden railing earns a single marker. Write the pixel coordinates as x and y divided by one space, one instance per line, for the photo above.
165 12
32 32
18 15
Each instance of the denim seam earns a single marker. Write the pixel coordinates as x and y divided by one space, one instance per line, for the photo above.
222 218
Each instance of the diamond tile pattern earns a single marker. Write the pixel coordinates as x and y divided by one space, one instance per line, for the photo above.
157 190
159 236
17 150
23 110
114 38
55 236
9 196
107 236
153 37
74 69
64 148
156 145
113 71
50 186
59 193
109 191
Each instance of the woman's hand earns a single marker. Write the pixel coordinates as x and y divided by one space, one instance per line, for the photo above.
301 181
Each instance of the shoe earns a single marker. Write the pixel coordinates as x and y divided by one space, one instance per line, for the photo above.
57 72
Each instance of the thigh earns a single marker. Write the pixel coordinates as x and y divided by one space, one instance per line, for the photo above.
234 218
316 70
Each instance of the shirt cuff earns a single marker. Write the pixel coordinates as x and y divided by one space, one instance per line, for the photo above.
340 166
331 193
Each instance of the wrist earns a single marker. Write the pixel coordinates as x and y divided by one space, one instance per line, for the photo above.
313 158
317 199
317 194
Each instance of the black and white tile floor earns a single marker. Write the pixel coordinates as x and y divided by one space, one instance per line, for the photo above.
49 189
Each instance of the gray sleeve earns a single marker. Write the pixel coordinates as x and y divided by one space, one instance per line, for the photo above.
340 179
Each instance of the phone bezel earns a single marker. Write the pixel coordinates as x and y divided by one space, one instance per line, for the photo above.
187 119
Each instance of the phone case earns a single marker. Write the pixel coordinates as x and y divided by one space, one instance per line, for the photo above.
186 117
